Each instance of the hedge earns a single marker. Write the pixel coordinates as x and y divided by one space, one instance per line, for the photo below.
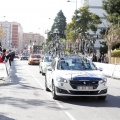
115 53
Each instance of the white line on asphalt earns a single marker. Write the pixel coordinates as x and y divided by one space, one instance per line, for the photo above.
58 103
34 77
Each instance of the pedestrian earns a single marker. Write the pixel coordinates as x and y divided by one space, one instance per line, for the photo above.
106 60
4 54
9 56
94 58
102 58
1 60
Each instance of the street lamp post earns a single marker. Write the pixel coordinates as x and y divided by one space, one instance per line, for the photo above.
75 16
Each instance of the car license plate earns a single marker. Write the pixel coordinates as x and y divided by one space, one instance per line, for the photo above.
36 61
84 88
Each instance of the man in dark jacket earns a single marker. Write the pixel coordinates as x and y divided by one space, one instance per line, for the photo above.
9 56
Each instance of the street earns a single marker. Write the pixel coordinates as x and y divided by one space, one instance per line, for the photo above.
25 98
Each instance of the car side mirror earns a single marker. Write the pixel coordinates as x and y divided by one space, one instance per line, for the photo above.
41 60
101 69
49 68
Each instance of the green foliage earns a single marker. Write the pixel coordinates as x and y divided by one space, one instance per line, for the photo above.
112 8
115 53
116 46
82 20
113 35
59 24
86 20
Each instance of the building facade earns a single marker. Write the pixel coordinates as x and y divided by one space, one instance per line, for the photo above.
12 36
32 39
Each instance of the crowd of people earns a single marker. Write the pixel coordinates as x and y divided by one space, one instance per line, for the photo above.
6 55
102 58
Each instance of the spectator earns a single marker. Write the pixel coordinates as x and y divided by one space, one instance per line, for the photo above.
94 58
106 60
102 58
4 54
9 56
1 60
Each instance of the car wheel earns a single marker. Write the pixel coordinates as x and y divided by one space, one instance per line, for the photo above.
42 72
46 88
40 69
54 92
101 97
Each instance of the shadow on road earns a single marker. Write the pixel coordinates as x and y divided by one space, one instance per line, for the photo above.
111 101
15 80
2 117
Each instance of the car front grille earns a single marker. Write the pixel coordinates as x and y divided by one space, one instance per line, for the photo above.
75 83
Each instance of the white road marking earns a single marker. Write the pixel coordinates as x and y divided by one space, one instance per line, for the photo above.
34 77
57 102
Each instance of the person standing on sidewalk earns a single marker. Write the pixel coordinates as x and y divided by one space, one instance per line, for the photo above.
4 54
9 56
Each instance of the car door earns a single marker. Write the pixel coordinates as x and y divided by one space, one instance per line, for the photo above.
40 63
50 73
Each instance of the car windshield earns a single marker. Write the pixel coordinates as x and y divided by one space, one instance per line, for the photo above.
35 56
48 59
76 64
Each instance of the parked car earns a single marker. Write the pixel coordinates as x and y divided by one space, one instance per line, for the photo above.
23 57
16 55
34 59
44 63
75 76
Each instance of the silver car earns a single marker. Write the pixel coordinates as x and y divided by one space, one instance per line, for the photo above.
44 63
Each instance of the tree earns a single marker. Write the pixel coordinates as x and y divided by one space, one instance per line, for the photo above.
86 20
70 31
112 37
112 8
59 24
83 20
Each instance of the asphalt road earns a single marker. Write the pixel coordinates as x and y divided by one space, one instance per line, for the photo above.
25 98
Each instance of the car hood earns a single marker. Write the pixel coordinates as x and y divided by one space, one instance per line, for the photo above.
81 75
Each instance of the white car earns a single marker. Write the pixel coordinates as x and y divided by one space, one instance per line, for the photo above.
75 76
44 63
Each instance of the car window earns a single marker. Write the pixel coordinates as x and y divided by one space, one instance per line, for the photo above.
35 56
75 64
48 59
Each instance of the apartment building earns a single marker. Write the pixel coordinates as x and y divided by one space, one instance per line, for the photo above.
12 37
32 39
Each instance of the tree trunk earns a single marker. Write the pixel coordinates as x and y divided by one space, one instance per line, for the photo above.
109 53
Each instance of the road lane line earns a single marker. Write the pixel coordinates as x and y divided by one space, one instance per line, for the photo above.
57 102
34 77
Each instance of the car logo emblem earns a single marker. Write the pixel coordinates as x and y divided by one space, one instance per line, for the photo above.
84 83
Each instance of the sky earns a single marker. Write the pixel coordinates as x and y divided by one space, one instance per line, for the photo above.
36 15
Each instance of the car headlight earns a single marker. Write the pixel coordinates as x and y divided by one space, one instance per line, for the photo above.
103 81
61 79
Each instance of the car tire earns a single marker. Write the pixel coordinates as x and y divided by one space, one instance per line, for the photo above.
46 88
101 97
42 72
55 97
39 69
